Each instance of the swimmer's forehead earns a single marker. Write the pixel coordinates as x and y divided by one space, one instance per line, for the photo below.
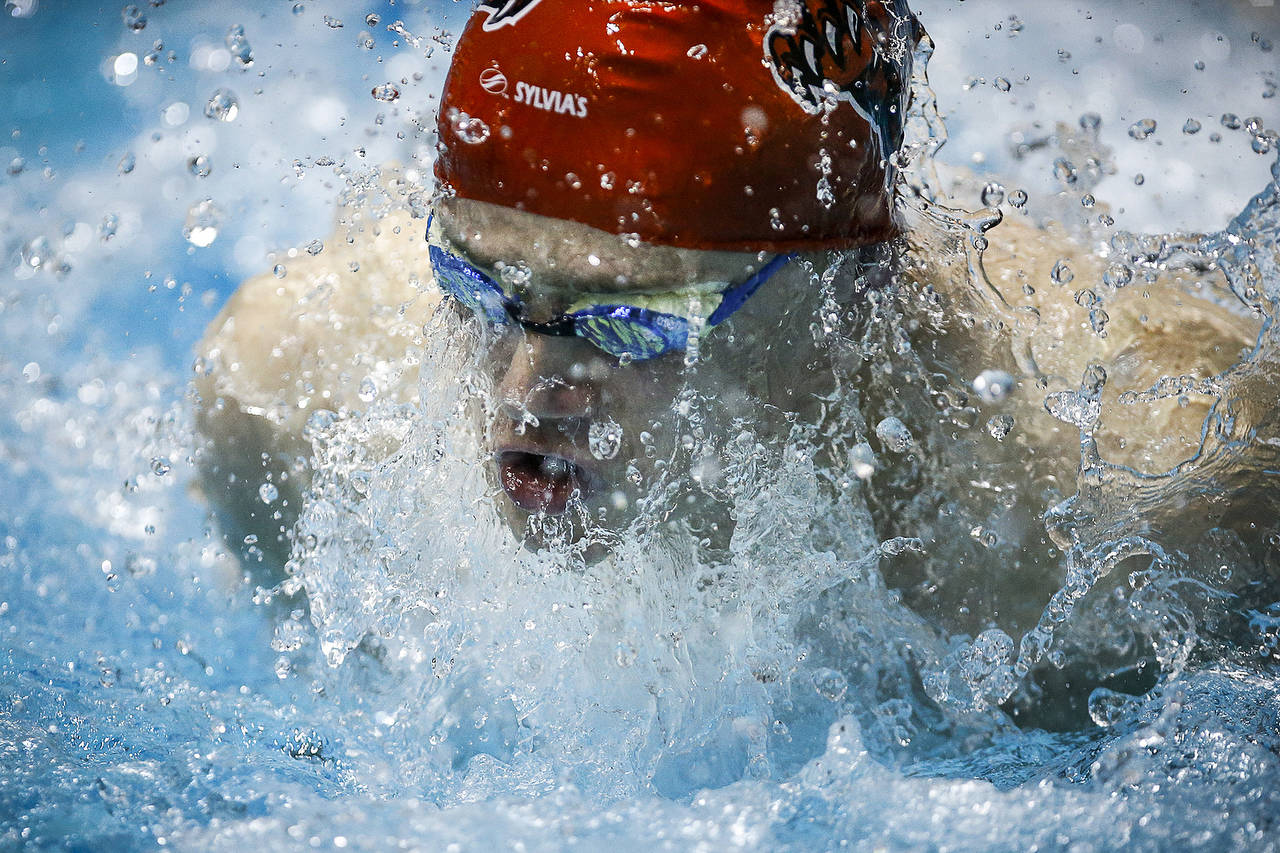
572 257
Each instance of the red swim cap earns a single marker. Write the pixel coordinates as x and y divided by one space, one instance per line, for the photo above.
718 124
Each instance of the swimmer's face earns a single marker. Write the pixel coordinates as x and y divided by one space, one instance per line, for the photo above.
570 427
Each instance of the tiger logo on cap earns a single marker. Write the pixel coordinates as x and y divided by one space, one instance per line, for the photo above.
505 13
827 52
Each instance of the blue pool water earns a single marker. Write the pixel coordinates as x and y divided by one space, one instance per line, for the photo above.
150 696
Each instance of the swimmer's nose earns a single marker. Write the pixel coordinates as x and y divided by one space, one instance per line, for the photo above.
549 378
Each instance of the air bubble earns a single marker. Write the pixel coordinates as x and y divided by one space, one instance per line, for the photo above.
315 247
127 163
1018 198
1002 84
372 19
199 166
268 493
332 22
160 465
387 92
1191 127
279 271
368 391
698 51
1231 121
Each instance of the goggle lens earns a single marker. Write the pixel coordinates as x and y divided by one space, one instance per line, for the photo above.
620 333
465 283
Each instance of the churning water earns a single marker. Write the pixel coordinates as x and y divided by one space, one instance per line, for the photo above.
1014 587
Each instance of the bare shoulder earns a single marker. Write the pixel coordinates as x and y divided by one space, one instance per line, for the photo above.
285 346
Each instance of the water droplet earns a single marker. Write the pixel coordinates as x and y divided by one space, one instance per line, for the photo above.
127 163
140 566
279 271
200 166
830 684
268 493
21 8
473 131
160 465
1070 407
368 390
222 105
992 195
386 92
1065 171
16 165
1090 122
993 385
133 18
1199 65
1018 198
1087 200
31 372
1191 127
1062 272
238 44
1139 179
298 8
372 19
315 247
36 252
108 226
894 435
604 437
203 220
332 22
1142 128
1117 276
1107 707
862 461
698 51
1000 426
1003 84
1231 121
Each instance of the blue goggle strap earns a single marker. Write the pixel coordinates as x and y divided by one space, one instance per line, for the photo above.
735 296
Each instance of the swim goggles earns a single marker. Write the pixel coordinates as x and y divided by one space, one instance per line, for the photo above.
623 331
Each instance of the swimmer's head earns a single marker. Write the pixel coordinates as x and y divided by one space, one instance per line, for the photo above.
722 124
626 177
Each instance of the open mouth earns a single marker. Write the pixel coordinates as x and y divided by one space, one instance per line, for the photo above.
538 482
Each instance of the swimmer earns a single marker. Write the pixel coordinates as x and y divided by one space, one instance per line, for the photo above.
667 200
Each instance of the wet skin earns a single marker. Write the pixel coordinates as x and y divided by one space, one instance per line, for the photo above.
757 370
